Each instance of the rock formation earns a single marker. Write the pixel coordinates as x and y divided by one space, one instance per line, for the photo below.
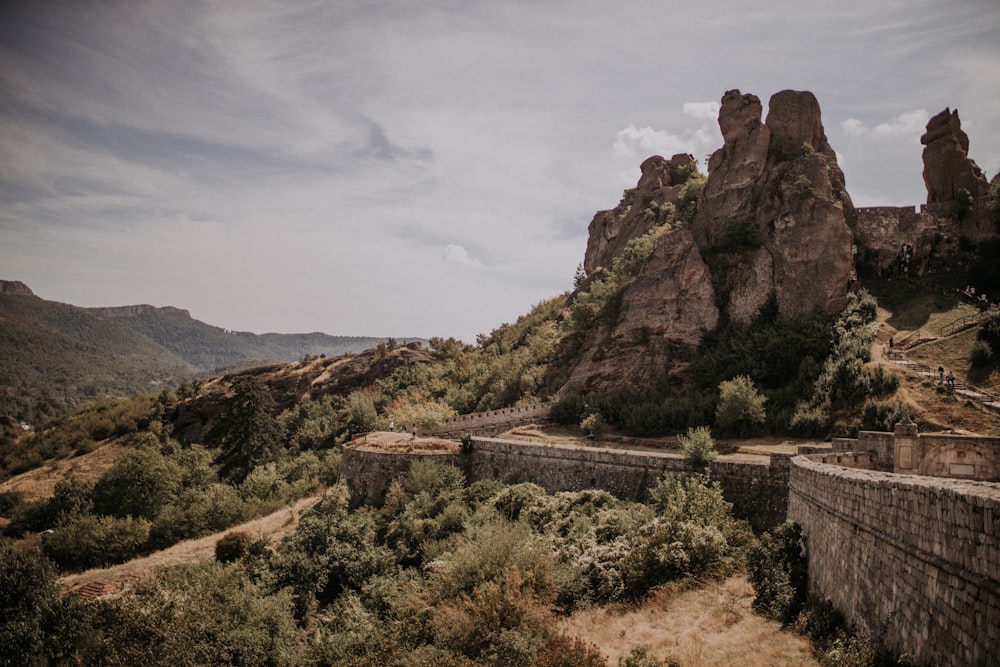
15 287
944 234
947 167
640 209
774 213
671 303
772 219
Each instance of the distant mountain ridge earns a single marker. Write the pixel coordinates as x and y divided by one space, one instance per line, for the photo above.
55 355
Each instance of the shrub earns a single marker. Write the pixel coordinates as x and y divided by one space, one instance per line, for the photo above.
640 656
698 447
594 424
82 541
232 546
810 421
738 235
568 410
201 614
564 651
882 416
981 354
777 568
741 407
989 328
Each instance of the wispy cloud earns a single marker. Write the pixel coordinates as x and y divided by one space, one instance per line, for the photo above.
284 166
909 125
456 254
638 143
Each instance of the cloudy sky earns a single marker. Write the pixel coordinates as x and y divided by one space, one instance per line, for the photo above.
401 168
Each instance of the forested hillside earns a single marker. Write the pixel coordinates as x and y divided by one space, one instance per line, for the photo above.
54 356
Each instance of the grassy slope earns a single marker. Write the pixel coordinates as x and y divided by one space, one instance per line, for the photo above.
905 309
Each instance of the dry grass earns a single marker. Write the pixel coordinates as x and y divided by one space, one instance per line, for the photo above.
41 482
387 441
122 577
702 627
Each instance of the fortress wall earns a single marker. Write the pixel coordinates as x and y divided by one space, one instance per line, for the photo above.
757 489
921 552
368 472
490 421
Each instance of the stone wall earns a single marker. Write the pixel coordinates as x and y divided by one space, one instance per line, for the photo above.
493 422
932 454
920 553
757 488
936 237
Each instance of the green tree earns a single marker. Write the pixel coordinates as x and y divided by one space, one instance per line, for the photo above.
361 413
139 484
247 433
741 407
330 551
34 623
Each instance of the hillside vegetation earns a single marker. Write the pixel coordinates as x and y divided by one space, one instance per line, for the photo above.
54 356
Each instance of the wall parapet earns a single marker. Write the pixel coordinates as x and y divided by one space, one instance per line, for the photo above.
920 552
479 423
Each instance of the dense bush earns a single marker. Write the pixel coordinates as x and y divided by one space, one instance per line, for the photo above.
82 541
232 546
698 447
981 354
740 410
777 567
989 328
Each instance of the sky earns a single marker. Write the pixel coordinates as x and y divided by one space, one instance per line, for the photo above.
402 168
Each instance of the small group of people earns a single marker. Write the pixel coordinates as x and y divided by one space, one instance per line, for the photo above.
904 258
980 300
403 429
948 380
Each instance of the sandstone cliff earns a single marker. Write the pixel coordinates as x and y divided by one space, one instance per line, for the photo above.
657 196
773 219
957 215
947 167
774 214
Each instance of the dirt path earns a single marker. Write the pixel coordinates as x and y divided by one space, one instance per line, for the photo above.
125 576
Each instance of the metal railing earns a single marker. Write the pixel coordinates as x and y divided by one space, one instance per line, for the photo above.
968 391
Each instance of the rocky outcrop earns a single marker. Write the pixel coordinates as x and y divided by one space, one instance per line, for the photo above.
947 167
640 209
736 168
774 214
772 220
940 232
291 384
15 287
137 310
670 304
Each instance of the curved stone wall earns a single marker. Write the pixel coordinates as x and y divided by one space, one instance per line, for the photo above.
921 553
